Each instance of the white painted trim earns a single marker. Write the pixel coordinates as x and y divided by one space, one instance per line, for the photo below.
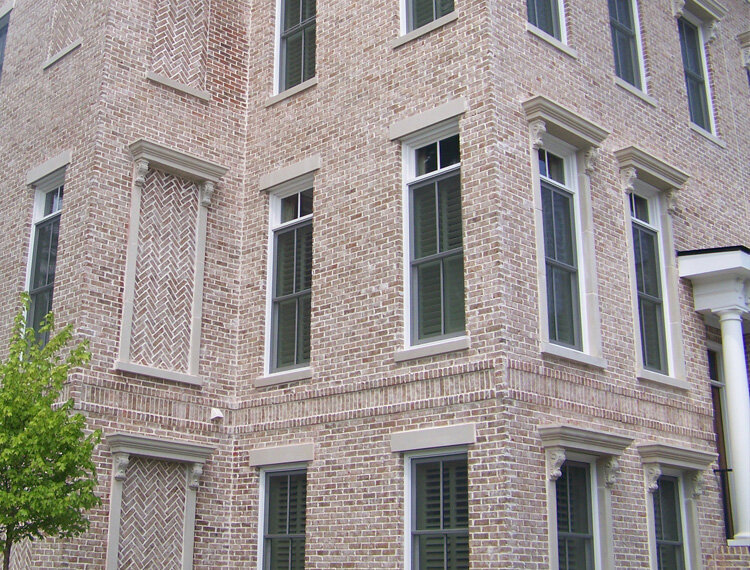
158 448
563 123
176 162
432 348
710 136
735 542
284 176
645 375
423 30
429 438
282 455
634 90
552 40
287 93
48 167
6 8
283 377
178 86
405 128
551 349
650 169
61 54
131 368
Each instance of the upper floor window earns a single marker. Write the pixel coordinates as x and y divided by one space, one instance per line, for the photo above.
47 209
3 35
297 56
623 23
694 65
436 241
291 227
422 12
545 15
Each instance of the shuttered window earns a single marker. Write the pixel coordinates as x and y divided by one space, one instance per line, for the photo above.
284 536
440 513
574 528
668 522
437 269
691 44
624 41
545 15
423 12
44 258
292 242
297 42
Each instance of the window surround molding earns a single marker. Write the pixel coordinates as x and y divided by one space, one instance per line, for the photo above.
150 155
409 36
552 40
602 451
644 174
122 446
278 184
641 92
689 466
551 126
708 12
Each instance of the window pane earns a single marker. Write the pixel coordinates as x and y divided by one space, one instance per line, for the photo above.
284 545
305 203
455 494
422 12
308 9
449 192
573 517
293 60
646 261
544 15
45 253
564 250
652 334
286 329
309 53
285 262
41 304
668 525
450 153
425 223
562 305
303 258
427 159
428 489
303 330
289 208
429 299
555 168
53 201
453 285
292 13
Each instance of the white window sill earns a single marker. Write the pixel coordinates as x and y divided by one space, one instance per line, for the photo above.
284 377
710 136
738 542
432 349
635 91
657 378
291 91
177 86
421 31
170 375
61 54
566 49
551 349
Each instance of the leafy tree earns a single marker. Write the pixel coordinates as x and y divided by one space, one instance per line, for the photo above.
47 476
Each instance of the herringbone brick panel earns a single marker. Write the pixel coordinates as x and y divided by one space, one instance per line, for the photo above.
152 516
66 24
165 272
180 37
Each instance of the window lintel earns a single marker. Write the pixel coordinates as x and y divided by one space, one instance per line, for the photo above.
583 440
429 125
283 454
446 436
709 11
176 162
546 116
293 178
158 448
649 169
55 165
672 456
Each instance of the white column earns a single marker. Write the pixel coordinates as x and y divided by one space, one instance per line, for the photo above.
738 418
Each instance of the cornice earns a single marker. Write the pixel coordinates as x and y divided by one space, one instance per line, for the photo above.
581 439
158 448
563 123
176 162
650 169
672 456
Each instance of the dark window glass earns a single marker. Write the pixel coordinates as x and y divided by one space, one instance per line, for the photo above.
297 42
284 538
545 15
574 528
695 78
668 523
292 284
717 397
423 12
3 35
440 518
624 43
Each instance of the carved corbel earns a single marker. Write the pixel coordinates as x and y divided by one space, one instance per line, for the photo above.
590 159
206 192
672 202
537 130
121 461
653 472
195 471
611 471
628 176
710 29
141 171
555 459
678 8
699 483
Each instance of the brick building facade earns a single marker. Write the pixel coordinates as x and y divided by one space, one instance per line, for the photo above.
506 335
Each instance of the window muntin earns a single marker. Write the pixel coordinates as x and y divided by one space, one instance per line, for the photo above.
691 45
284 524
3 36
718 397
670 547
575 537
422 12
44 255
560 252
622 25
545 15
292 277
436 252
440 513
649 283
297 42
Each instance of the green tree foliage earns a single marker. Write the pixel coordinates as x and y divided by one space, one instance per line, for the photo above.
47 476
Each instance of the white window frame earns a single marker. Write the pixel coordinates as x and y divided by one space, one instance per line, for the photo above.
406 21
641 57
277 90
702 40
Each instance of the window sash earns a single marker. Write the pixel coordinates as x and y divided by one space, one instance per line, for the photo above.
545 15
668 525
285 510
695 76
422 12
575 539
297 42
624 41
3 37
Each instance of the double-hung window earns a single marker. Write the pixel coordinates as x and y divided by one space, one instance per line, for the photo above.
575 534
718 397
284 520
422 12
670 553
545 15
560 250
3 35
623 24
439 513
291 228
648 273
693 63
297 42
47 209
436 237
